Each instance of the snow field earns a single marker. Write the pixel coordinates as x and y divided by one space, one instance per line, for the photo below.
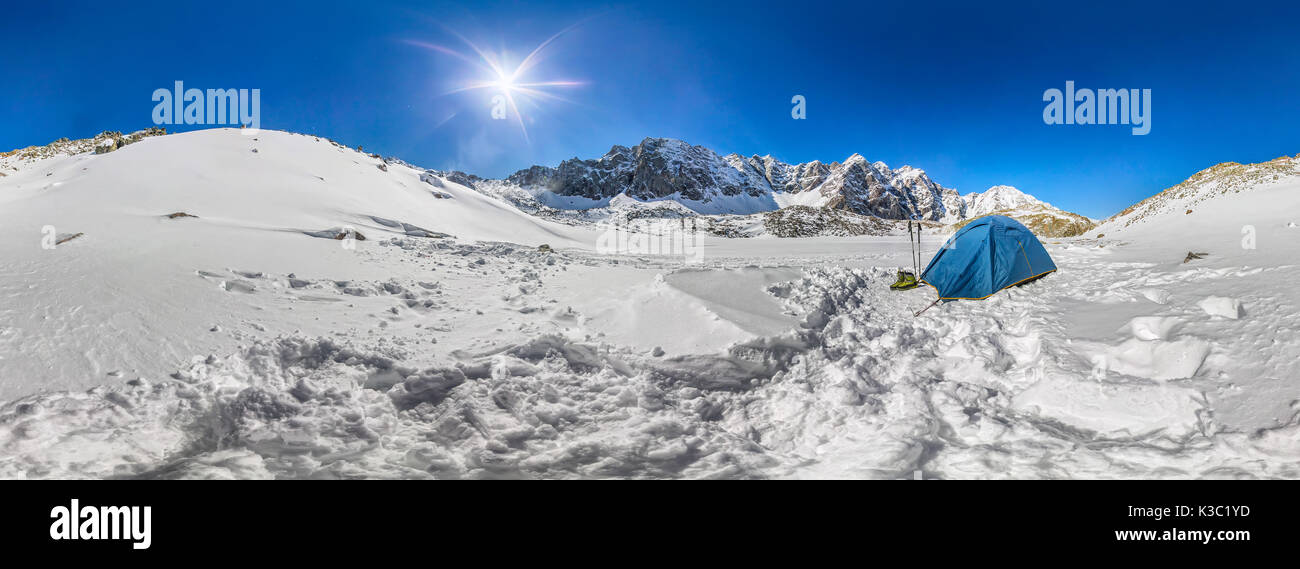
447 345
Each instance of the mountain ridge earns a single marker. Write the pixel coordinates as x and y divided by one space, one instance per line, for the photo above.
702 182
707 183
1184 198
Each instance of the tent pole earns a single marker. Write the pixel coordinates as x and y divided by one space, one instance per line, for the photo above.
936 301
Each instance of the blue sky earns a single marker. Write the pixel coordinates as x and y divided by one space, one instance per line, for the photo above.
955 89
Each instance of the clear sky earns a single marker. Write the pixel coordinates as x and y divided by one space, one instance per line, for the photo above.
955 89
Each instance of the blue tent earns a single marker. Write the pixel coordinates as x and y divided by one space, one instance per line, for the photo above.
989 254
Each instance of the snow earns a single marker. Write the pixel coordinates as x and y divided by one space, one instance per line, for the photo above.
235 345
998 198
1221 306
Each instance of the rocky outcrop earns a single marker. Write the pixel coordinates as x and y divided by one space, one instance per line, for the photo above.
1043 220
102 143
805 221
656 168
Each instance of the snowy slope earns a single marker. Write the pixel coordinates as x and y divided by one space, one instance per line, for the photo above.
1207 191
134 273
183 348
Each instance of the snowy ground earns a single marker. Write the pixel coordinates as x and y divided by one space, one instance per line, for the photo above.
236 345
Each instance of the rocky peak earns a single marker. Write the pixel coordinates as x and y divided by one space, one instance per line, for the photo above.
659 168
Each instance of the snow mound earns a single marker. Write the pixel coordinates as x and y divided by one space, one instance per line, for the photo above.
1221 306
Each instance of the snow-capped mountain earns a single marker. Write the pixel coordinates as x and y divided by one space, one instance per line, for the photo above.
660 170
663 168
999 198
1039 216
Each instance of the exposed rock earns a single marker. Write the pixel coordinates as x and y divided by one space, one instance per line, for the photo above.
66 238
661 168
655 168
805 221
1210 183
1044 221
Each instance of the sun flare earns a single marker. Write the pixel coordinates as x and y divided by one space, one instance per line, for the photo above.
508 81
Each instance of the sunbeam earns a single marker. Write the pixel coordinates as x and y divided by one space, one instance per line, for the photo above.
508 81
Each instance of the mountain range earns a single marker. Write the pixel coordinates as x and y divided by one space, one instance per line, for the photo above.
734 195
706 183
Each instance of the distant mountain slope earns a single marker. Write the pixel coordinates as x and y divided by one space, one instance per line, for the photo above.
668 178
999 198
1212 183
1039 216
663 168
706 183
805 221
102 143
1044 221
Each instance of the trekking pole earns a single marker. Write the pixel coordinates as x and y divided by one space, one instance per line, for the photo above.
915 263
912 245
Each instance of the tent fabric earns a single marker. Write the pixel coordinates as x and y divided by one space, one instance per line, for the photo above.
987 255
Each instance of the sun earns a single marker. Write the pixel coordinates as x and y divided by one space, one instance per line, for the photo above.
498 75
504 82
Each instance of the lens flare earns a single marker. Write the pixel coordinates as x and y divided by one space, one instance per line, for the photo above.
509 81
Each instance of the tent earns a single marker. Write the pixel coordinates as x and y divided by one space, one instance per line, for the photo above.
987 255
